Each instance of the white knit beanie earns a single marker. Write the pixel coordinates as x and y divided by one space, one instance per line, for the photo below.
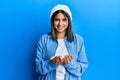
61 7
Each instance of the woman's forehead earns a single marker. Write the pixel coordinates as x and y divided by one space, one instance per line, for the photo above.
61 15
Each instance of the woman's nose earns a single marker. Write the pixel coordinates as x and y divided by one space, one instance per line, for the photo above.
60 22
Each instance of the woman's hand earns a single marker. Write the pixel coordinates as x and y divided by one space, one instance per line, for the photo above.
67 59
56 59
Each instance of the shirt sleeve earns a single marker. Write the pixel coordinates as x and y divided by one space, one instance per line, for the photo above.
77 67
43 66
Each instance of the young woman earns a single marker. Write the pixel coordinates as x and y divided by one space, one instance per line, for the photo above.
61 53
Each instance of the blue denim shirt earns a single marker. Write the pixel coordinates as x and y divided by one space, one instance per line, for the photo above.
47 48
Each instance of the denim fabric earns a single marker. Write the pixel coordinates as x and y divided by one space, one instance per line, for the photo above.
47 48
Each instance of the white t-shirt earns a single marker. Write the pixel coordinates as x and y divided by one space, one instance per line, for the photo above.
61 51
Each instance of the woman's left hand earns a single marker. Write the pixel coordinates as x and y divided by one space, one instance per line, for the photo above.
67 59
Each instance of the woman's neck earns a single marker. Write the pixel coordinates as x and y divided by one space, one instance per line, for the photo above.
60 35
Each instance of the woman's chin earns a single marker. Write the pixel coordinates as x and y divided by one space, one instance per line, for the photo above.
60 31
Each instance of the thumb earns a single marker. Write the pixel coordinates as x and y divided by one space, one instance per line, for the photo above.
52 57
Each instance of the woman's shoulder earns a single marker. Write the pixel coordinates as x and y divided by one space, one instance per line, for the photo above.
45 36
78 37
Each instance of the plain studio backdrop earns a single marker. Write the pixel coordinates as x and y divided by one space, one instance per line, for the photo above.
22 22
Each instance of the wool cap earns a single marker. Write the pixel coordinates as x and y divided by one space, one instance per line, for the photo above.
61 7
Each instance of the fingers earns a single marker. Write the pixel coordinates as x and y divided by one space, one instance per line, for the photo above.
56 59
52 57
67 59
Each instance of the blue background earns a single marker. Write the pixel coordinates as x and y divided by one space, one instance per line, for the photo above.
22 22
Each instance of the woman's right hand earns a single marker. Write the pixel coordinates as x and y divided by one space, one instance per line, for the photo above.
56 59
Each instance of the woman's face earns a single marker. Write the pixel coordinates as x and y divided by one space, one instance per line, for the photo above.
60 23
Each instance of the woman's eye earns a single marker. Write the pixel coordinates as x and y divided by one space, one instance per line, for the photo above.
65 19
56 19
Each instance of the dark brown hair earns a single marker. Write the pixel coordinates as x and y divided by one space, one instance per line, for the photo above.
69 32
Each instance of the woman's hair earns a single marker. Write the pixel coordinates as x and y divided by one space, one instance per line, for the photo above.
69 32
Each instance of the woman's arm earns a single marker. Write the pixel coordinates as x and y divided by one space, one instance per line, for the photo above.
43 66
78 67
